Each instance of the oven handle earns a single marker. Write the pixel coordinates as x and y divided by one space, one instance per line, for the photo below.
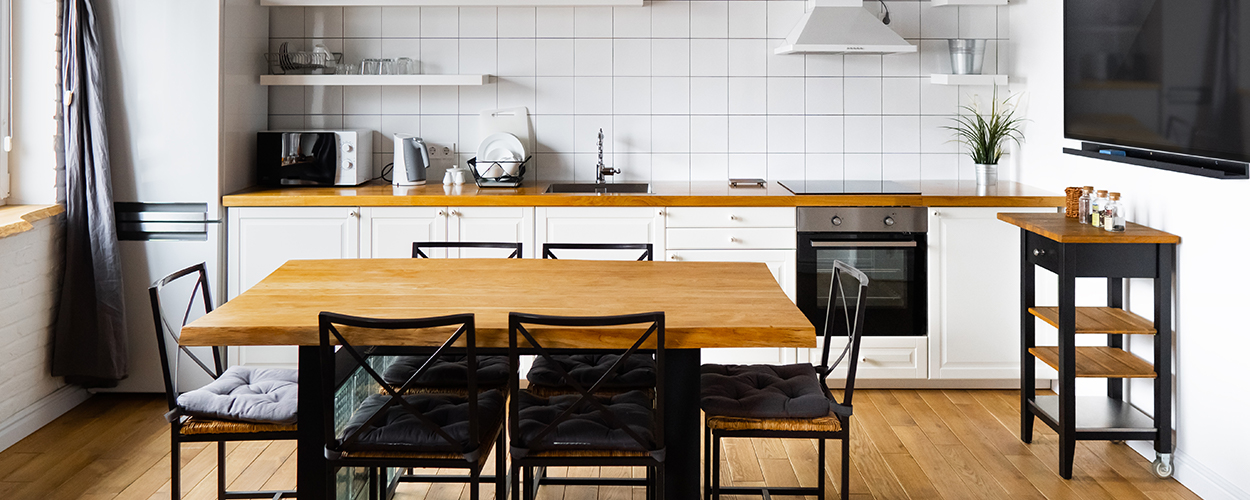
863 244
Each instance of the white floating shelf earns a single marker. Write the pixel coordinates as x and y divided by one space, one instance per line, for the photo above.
449 3
384 80
968 79
939 3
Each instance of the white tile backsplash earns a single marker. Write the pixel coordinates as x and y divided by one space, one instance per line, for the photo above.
683 89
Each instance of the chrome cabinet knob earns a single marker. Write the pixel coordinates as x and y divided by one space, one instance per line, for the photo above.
889 221
455 213
733 217
733 240
354 213
442 213
1037 252
837 221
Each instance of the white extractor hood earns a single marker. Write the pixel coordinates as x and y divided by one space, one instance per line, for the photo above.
842 26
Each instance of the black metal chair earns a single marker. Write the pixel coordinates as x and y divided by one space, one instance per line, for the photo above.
647 248
400 430
517 248
788 401
586 428
212 413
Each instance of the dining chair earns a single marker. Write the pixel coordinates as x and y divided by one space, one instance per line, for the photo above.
517 248
239 404
787 401
587 428
392 428
638 373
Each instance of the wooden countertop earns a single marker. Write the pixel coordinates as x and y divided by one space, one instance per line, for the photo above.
666 194
1069 230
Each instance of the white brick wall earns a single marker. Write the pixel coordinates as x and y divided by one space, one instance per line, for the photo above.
30 285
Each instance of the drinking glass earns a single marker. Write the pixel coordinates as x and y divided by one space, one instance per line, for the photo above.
387 67
370 66
405 66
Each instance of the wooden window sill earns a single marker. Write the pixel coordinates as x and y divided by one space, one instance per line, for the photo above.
15 219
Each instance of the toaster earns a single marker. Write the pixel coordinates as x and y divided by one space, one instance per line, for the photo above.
314 157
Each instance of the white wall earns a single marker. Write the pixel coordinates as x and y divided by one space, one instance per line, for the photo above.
32 164
1211 336
684 90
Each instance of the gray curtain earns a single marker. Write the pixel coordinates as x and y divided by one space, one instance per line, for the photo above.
89 347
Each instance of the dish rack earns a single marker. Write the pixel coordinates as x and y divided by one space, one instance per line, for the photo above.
302 62
503 180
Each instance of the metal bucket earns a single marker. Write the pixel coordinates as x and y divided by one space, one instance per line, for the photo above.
987 175
967 55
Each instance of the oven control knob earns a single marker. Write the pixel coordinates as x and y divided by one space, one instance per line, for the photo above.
889 221
837 221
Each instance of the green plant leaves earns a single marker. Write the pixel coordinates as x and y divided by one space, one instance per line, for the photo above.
984 134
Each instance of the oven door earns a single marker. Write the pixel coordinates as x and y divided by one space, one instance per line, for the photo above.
895 265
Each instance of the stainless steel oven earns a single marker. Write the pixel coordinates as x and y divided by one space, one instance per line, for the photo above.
886 243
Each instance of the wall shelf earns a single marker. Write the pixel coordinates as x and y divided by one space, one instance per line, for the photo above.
939 3
939 79
381 80
450 3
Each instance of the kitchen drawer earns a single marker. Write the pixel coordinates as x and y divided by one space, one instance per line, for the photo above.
729 217
881 357
730 239
1042 251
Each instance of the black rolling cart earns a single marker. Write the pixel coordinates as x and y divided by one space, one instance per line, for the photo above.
1073 250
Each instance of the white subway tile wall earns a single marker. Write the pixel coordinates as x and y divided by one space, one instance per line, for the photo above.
684 90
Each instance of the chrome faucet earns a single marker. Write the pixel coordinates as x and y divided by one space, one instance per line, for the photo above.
600 169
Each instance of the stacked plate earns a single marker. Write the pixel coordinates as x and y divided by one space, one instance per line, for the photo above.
499 156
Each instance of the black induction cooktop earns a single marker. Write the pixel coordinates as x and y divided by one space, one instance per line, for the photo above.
851 187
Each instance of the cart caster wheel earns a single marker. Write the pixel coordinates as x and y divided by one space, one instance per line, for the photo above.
1162 466
1117 441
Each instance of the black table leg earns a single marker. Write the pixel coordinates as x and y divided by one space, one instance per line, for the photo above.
1067 366
313 481
1163 349
1028 339
1115 298
681 424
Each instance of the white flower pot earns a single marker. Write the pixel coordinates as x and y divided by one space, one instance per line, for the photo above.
987 175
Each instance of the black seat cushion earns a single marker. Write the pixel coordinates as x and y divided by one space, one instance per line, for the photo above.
400 430
762 391
585 428
246 394
449 370
638 371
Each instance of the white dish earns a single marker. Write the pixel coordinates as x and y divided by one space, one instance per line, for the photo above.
500 147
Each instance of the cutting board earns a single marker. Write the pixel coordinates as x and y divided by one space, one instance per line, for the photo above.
515 121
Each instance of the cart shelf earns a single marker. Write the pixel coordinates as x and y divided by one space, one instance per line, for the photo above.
1099 320
1099 362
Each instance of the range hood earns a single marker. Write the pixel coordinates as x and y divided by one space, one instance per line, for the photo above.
842 27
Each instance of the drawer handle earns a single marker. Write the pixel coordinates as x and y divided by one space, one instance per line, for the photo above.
1037 252
733 217
441 213
676 257
733 240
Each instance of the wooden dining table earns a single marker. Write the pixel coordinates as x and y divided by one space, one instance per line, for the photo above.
706 305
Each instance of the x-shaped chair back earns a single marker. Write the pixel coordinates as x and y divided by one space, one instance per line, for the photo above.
331 334
418 245
845 314
517 329
647 248
166 331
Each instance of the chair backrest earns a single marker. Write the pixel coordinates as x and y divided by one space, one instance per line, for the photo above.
844 316
418 245
647 248
517 331
195 277
431 330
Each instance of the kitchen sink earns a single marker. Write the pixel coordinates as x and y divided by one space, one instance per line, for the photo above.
586 187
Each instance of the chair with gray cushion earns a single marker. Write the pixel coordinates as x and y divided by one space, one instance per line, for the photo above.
787 401
587 427
239 404
374 424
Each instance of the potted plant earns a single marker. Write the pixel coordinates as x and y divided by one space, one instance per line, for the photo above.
985 133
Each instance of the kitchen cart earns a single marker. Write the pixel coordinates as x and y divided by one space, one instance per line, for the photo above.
1073 250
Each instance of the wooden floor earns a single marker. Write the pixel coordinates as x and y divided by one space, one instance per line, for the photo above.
906 444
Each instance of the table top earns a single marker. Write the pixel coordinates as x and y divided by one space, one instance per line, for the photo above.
706 304
1069 230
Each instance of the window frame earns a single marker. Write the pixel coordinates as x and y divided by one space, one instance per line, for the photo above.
6 75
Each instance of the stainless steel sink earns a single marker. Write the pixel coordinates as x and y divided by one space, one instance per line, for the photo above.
586 187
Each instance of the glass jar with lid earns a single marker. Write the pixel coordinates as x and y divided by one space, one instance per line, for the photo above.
1096 206
1113 214
1083 208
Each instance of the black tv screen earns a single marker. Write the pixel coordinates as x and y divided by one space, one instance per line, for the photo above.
1166 75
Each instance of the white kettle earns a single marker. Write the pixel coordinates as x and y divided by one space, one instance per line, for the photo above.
410 161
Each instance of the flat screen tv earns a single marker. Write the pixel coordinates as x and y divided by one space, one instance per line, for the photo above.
1159 80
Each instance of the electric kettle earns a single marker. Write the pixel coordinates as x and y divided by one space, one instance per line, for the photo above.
411 160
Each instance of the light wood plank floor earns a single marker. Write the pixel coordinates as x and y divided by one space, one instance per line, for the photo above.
906 444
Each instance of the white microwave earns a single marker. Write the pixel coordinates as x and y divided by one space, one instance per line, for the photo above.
314 157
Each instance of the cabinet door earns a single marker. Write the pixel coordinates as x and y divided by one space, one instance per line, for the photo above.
599 225
781 263
389 232
492 224
262 239
974 293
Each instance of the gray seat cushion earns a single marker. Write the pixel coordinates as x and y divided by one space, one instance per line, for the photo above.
246 394
448 371
400 430
638 372
585 429
762 391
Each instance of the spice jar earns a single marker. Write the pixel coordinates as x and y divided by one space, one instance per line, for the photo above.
1096 206
1082 211
1113 214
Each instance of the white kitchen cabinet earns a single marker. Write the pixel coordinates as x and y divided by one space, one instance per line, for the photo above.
507 224
974 293
879 357
599 225
389 232
262 239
